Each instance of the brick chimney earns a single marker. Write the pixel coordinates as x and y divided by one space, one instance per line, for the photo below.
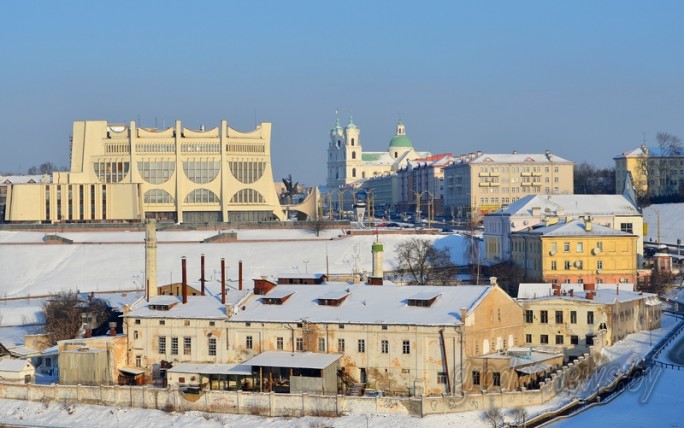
240 275
185 281
223 281
202 280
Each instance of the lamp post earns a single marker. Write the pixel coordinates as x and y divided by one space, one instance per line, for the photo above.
429 203
340 201
306 266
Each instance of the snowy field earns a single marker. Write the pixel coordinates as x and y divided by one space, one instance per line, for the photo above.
671 222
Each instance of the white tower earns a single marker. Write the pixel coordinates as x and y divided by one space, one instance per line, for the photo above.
377 251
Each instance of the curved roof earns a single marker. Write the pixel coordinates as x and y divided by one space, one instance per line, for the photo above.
400 141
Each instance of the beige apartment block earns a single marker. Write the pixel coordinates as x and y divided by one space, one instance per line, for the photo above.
571 317
480 183
126 173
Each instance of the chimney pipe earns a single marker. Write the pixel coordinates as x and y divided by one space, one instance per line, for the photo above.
240 275
185 281
223 281
202 280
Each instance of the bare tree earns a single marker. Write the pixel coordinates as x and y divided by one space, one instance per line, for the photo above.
519 415
509 276
423 263
63 314
670 146
493 416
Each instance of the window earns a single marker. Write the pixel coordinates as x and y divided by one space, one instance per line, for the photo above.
138 360
187 345
162 345
544 316
340 345
137 322
406 347
529 316
162 322
496 379
574 340
566 247
384 346
554 247
567 265
476 377
362 345
599 264
573 317
559 339
599 245
528 338
384 327
579 264
249 343
441 378
212 346
626 227
187 323
279 343
174 346
559 317
590 317
212 323
321 344
544 339
135 334
580 247
299 344
554 265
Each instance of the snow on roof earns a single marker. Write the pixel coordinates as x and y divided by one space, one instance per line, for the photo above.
24 179
574 228
537 158
294 275
12 365
572 205
198 307
605 293
210 368
334 294
366 304
302 360
278 293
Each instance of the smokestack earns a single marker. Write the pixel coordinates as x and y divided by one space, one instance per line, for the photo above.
112 329
240 275
202 280
151 258
377 251
223 281
185 281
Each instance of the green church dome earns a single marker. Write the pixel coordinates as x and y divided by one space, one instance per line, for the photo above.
400 141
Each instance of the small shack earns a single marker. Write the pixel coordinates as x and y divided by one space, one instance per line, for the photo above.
223 377
16 371
295 372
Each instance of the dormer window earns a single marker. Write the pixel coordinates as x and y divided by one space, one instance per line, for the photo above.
423 299
277 297
333 298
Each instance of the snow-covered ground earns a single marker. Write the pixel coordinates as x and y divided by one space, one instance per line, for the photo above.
671 222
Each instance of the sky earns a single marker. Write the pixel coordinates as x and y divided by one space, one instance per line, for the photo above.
584 79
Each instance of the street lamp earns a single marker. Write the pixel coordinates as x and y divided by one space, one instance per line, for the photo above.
340 200
306 266
429 204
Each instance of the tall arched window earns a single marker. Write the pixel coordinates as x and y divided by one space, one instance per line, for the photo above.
353 172
353 155
352 141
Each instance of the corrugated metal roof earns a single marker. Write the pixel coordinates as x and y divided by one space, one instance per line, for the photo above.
302 360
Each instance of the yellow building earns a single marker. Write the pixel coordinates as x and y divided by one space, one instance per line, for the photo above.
572 317
576 252
480 183
655 172
122 172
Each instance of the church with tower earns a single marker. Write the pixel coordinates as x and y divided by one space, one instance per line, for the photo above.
348 163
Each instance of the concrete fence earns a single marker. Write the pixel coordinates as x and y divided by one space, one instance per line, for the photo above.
295 405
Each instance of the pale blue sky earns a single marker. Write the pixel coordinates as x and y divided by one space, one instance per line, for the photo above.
585 79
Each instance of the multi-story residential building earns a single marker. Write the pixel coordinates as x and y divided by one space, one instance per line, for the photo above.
479 183
421 185
348 163
615 211
572 317
383 190
655 171
577 251
123 172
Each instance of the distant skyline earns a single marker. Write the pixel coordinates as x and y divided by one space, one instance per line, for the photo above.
584 79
